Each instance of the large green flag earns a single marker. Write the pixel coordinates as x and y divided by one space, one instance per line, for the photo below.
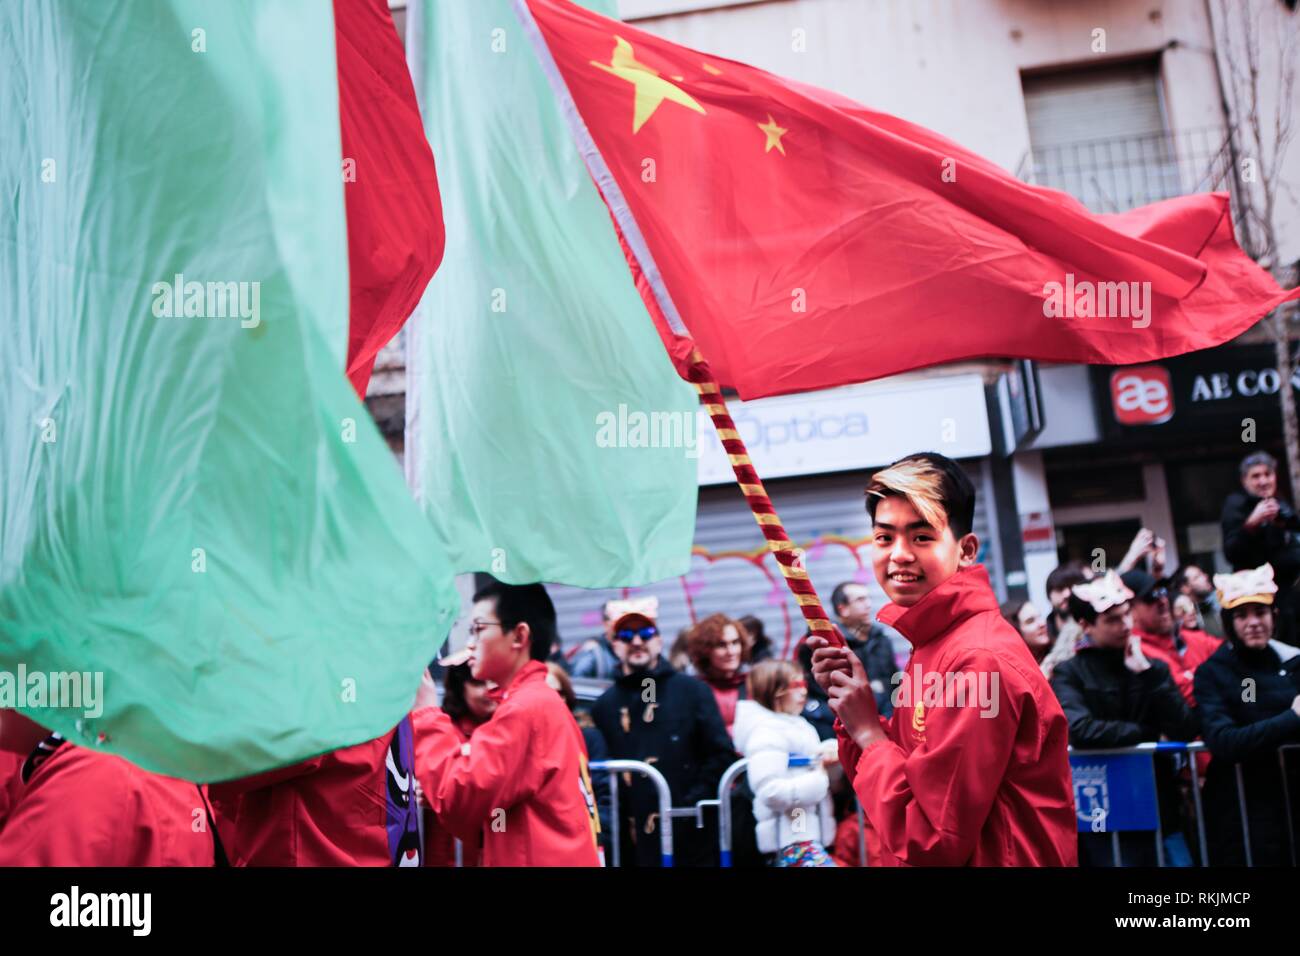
548 437
194 506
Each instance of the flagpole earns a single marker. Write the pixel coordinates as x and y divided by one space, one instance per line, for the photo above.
788 557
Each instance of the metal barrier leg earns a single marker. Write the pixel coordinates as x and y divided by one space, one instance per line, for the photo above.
1179 842
1200 812
419 828
1160 830
666 839
1245 823
1286 796
724 811
862 833
616 838
615 767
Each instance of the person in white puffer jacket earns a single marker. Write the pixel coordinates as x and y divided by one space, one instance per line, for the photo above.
792 804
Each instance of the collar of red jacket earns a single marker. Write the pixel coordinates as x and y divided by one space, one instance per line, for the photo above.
1170 643
966 593
533 670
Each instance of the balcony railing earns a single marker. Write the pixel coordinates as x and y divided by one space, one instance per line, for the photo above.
1116 174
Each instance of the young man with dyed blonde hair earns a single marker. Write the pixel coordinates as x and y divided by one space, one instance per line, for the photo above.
972 769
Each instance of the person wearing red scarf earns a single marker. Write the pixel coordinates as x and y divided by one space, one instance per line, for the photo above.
973 767
719 648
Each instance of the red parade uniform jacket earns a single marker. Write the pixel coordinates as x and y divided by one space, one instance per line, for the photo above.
79 807
1198 647
439 843
959 782
10 764
330 810
521 782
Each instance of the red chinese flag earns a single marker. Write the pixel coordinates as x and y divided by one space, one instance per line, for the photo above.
395 231
805 241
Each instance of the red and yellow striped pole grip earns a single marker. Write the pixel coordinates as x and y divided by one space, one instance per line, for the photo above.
788 557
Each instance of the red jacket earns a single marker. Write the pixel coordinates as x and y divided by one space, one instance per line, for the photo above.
439 842
10 764
960 782
1199 648
83 808
521 782
847 848
349 807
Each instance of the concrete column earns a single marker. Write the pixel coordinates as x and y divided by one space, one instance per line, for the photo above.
1030 482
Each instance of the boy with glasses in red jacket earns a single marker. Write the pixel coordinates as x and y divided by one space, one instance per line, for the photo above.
521 781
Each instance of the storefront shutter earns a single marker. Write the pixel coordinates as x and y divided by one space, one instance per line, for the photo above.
824 513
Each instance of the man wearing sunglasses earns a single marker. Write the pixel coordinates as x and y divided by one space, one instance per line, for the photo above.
1182 649
669 720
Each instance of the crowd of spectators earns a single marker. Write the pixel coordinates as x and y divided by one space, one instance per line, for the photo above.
1136 653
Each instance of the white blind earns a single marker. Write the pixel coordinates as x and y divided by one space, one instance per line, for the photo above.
1100 135
1085 105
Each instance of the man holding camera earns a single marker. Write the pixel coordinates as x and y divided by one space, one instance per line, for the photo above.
1261 528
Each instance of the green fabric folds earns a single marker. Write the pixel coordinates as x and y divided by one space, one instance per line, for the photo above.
532 335
196 507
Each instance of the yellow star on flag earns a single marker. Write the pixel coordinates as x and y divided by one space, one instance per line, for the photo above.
774 134
651 88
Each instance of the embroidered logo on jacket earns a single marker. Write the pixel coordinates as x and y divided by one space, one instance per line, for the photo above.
918 721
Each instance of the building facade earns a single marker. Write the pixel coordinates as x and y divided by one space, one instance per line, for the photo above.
1120 103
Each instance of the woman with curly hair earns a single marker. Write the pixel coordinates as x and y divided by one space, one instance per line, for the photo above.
719 649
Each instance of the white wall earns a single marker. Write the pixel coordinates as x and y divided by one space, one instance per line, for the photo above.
1276 26
951 65
1030 479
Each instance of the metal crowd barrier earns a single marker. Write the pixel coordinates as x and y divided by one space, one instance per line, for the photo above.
1191 750
667 812
666 809
1099 815
1286 796
723 803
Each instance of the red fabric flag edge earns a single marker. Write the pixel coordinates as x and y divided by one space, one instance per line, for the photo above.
396 236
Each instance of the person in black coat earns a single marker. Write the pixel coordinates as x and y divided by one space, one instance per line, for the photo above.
1114 696
670 720
817 710
1260 528
1248 701
869 639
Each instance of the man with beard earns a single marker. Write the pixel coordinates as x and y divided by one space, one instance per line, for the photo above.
669 720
